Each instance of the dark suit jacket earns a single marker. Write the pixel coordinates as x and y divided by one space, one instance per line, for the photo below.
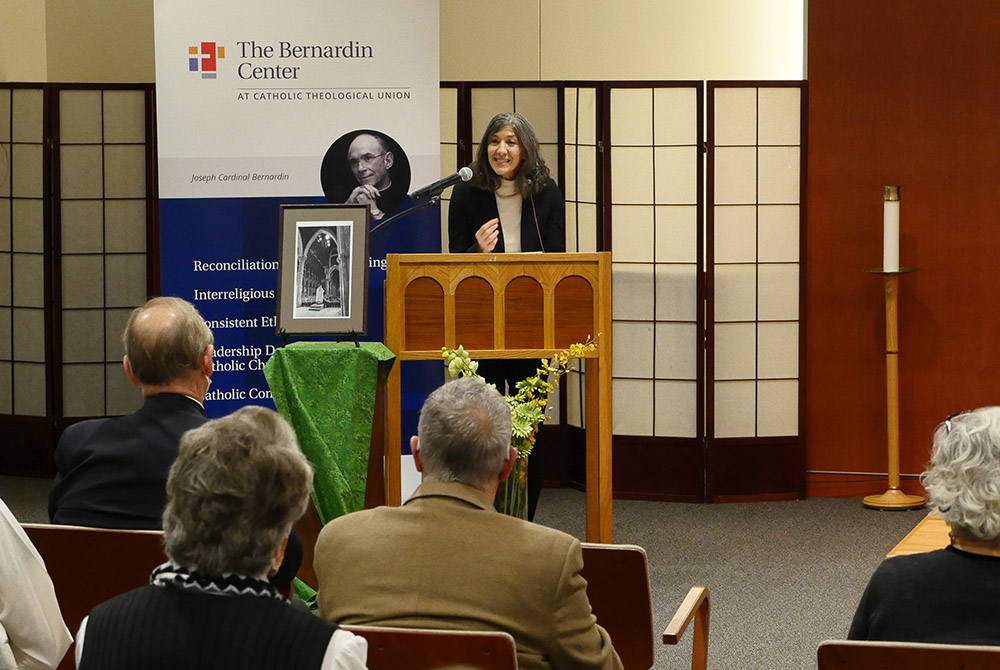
447 559
471 207
112 473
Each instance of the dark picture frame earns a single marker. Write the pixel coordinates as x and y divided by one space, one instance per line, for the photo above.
323 269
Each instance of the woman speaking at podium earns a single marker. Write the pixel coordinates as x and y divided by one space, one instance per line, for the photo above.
510 205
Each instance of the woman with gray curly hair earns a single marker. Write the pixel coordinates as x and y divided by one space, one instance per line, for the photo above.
949 595
233 493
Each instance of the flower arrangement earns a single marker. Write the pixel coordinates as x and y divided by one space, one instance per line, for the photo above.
527 412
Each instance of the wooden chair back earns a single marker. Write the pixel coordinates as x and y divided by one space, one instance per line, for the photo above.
618 588
856 655
90 565
425 649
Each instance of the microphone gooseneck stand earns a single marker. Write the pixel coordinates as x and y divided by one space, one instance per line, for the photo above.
431 201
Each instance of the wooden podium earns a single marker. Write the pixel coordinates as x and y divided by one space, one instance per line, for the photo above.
505 306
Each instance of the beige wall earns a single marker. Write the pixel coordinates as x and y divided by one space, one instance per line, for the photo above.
106 41
112 40
625 39
22 40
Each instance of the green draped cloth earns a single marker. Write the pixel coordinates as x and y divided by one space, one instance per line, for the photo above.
326 390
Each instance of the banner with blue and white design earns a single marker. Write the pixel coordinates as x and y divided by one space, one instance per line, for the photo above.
264 104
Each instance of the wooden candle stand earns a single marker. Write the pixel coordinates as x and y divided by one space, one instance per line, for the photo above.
893 498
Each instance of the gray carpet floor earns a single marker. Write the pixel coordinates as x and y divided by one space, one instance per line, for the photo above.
783 576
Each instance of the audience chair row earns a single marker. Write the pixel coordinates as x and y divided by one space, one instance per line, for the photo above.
618 587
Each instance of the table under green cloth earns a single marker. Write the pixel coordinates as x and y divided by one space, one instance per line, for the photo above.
326 390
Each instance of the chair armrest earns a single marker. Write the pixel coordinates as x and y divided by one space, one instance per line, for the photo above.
697 606
696 603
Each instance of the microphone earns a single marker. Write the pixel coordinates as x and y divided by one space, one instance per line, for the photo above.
465 174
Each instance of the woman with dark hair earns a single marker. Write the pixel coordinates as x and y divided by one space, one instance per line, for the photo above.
237 486
510 205
950 595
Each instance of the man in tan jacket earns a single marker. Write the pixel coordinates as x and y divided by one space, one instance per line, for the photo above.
447 559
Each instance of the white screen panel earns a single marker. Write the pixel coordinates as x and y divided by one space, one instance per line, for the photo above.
675 116
540 105
677 292
125 171
83 226
28 232
736 234
82 172
586 166
632 356
780 116
632 291
677 234
586 221
735 289
27 171
755 256
125 116
632 117
587 129
29 335
632 407
83 336
778 175
778 411
487 103
735 351
676 178
575 407
676 347
29 389
778 230
778 293
676 408
80 117
735 116
83 390
735 176
778 350
29 289
735 408
632 233
632 175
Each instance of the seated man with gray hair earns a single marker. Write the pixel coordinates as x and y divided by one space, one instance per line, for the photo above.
448 559
234 491
111 473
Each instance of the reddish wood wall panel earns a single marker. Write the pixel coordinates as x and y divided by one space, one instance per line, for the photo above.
474 314
901 92
424 314
523 309
574 317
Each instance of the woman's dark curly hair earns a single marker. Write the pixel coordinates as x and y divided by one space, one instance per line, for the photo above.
532 172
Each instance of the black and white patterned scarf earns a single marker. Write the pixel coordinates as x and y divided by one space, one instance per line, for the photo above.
227 585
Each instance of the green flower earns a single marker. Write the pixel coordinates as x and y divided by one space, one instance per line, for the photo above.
528 405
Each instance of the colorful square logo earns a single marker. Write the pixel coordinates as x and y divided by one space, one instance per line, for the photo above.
206 59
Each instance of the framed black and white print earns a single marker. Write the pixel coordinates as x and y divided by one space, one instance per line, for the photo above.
323 269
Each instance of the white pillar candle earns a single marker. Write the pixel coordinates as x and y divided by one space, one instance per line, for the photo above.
890 229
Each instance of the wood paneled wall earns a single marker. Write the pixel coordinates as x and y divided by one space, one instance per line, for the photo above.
901 92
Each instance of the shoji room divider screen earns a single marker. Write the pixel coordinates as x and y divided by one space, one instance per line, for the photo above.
698 191
755 242
78 252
